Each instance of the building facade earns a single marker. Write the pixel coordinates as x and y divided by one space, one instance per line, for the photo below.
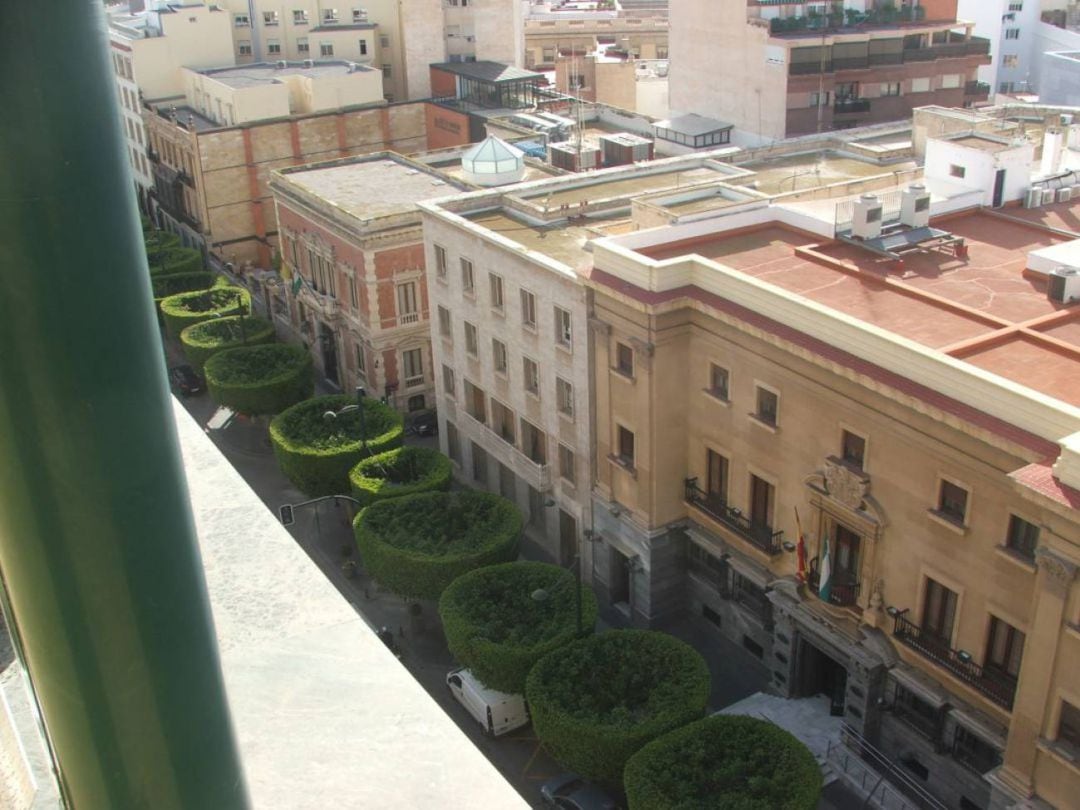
1012 30
777 71
633 35
362 304
510 345
738 414
212 178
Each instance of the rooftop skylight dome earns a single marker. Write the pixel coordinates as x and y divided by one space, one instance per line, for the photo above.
493 162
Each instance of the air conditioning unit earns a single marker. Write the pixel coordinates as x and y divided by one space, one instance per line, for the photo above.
1048 196
1033 197
915 206
309 63
1064 194
866 218
1064 285
281 64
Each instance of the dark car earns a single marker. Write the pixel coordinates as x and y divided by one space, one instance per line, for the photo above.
426 424
572 792
185 380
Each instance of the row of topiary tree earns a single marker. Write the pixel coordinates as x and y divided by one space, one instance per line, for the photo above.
621 703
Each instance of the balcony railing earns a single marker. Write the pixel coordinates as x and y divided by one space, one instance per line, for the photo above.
413 382
759 535
976 89
406 318
997 686
851 105
843 592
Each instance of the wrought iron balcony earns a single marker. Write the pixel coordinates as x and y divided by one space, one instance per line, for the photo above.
851 105
997 686
976 89
759 535
843 592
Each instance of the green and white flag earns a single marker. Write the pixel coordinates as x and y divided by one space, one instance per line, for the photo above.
825 582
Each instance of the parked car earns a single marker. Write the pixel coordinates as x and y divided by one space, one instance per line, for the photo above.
185 380
497 712
571 792
426 424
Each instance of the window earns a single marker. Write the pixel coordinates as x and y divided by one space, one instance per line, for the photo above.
326 49
270 18
528 309
359 15
626 446
957 171
890 88
453 445
1016 6
475 402
444 322
1004 648
749 594
361 364
853 449
1022 537
846 91
974 752
330 15
563 333
498 355
353 297
952 502
716 476
768 404
406 303
241 20
939 612
1069 725
243 47
1010 60
302 45
412 362
299 16
916 712
701 561
1012 33
363 47
564 396
533 442
819 99
624 359
273 46
950 81
472 339
719 382
387 71
566 464
384 42
502 421
532 376
547 55
920 85
467 276
762 495
495 286
448 380
479 463
440 261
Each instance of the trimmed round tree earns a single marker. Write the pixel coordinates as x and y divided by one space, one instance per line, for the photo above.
595 702
724 761
158 243
260 380
184 309
419 544
201 341
496 628
398 472
316 452
165 286
175 261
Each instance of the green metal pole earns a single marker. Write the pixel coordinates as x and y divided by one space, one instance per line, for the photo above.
97 542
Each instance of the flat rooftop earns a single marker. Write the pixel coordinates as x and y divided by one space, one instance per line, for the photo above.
783 174
599 187
369 189
562 242
984 310
262 73
982 143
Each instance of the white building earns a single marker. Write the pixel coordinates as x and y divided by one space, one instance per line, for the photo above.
510 343
1011 28
148 50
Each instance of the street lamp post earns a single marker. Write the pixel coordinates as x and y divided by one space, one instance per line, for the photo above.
240 309
359 408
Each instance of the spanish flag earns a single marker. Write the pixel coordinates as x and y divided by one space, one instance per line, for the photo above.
801 549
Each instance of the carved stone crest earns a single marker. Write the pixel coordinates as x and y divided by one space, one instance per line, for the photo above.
849 487
1059 571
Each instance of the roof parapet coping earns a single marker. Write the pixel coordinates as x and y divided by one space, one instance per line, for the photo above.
1067 466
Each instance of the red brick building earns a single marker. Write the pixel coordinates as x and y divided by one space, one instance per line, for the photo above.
353 259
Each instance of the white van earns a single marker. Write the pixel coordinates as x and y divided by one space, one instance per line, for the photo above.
497 712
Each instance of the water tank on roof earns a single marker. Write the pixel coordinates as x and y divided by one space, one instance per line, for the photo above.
493 162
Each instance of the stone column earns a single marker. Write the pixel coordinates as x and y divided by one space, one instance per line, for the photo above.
1040 653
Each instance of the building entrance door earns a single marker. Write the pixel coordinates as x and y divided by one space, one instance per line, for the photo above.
819 674
329 353
999 188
